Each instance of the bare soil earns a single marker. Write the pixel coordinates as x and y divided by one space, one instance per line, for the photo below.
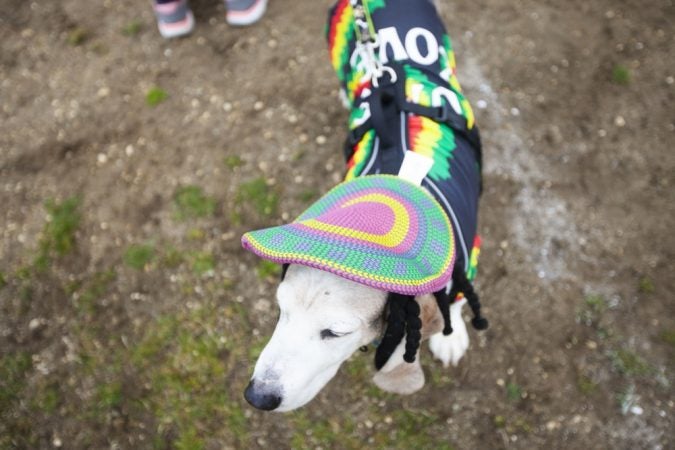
103 345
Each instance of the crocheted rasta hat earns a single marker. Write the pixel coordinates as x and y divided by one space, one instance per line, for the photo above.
379 230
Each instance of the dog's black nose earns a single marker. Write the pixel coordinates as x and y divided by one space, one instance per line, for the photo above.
262 400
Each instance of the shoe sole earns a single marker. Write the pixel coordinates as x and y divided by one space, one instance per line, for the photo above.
177 29
248 17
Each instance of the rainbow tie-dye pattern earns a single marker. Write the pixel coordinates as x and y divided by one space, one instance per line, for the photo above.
423 135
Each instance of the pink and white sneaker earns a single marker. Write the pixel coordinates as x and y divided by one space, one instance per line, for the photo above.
174 18
244 12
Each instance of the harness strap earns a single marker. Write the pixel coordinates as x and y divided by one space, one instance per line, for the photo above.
382 112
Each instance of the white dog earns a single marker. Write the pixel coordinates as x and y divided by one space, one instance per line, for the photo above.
405 101
324 319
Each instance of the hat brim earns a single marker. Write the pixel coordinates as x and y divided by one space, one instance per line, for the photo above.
380 230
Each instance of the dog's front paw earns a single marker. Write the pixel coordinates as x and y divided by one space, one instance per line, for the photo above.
450 349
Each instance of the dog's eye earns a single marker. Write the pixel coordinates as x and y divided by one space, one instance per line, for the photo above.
330 334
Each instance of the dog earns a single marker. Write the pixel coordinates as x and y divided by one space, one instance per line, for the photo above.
408 118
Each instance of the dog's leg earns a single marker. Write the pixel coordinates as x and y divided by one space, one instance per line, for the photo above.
450 349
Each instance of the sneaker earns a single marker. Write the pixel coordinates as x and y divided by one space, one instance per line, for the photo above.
174 19
244 12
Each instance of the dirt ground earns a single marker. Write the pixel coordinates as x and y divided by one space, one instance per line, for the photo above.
130 166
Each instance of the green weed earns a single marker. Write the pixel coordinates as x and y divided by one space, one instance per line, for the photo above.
268 269
233 161
132 28
646 285
621 75
109 395
155 96
513 392
172 258
586 385
12 372
195 234
191 203
260 196
95 289
593 309
47 399
203 262
628 363
138 256
668 336
58 234
77 36
308 195
3 281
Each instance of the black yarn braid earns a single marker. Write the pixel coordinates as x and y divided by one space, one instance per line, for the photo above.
393 333
443 300
463 285
460 283
413 329
403 320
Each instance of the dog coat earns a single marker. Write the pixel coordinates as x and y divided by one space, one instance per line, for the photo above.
423 110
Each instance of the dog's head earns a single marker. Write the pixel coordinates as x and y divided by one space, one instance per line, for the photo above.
323 320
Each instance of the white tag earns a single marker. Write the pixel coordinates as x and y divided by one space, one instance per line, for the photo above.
415 167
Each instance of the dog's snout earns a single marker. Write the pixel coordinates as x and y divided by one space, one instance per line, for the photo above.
261 397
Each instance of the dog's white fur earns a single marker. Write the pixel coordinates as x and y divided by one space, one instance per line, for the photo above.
298 362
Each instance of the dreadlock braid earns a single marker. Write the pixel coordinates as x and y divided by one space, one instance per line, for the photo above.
394 332
443 302
464 285
413 329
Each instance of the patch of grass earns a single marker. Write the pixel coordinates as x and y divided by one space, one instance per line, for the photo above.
621 75
668 336
184 363
324 432
172 258
132 28
308 195
203 262
47 399
499 421
138 256
195 234
233 161
155 96
3 281
628 363
646 285
191 203
95 289
109 395
13 368
77 36
268 269
260 196
513 392
586 385
591 312
58 234
189 440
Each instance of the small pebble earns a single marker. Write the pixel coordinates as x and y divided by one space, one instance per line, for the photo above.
321 139
619 121
102 158
481 104
635 409
258 106
129 150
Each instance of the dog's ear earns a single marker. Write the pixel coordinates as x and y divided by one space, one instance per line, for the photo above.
405 378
